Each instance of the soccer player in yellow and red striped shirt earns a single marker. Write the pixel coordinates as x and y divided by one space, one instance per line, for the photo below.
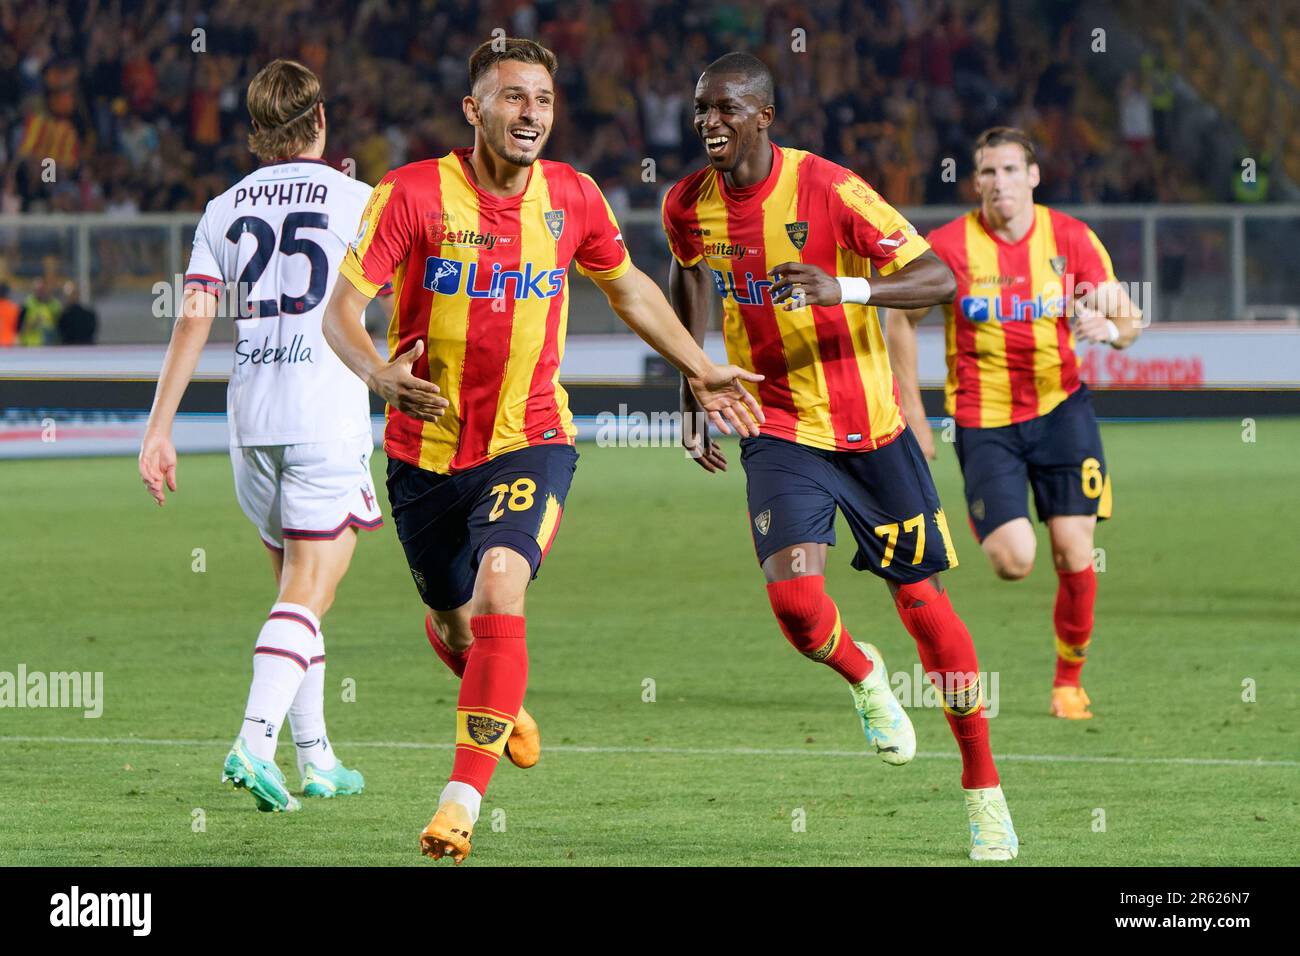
1029 279
479 436
802 252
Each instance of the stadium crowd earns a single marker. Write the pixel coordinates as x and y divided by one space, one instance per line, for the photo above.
140 104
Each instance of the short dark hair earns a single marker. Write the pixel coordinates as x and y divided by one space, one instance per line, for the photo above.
755 71
492 52
1000 136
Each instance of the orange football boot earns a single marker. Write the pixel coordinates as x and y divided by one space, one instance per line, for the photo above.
524 748
448 834
1070 703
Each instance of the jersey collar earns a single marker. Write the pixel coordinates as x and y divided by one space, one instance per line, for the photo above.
486 198
1006 243
296 159
758 191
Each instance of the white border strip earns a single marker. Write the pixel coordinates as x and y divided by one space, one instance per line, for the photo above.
692 751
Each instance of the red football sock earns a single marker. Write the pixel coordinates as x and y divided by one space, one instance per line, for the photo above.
948 656
455 660
1075 596
491 693
811 622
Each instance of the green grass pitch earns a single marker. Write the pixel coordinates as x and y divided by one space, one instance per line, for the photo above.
652 578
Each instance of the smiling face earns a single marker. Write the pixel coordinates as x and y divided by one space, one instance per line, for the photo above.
513 109
1005 180
730 119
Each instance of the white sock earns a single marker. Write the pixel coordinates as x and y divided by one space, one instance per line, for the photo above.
307 715
280 661
465 795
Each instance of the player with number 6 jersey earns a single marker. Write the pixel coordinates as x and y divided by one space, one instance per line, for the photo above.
266 253
1029 281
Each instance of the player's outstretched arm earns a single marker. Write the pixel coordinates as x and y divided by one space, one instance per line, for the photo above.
189 335
923 282
640 303
391 381
1106 315
900 339
689 291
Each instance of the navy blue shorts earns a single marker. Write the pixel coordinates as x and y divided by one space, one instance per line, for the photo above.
446 522
886 494
1059 455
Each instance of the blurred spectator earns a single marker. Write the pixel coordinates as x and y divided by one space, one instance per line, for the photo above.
136 118
9 314
39 322
1136 125
77 323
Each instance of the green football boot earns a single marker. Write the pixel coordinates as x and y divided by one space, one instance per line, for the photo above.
331 783
261 778
884 721
992 837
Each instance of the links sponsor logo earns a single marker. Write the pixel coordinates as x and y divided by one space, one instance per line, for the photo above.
444 276
981 308
754 290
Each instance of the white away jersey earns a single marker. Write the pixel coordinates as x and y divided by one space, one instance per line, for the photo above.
271 245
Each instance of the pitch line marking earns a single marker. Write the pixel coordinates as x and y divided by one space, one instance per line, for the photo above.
692 751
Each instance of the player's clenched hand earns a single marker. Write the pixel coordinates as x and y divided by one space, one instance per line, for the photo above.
695 437
720 393
800 284
157 464
410 395
1090 325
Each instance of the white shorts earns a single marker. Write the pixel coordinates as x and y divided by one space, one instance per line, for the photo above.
309 492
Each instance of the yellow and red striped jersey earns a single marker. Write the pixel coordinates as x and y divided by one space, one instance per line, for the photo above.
484 281
1010 349
827 378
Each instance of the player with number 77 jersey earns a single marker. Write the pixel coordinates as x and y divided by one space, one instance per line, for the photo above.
266 253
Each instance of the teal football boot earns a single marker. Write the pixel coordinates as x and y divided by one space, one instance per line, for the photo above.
331 783
261 778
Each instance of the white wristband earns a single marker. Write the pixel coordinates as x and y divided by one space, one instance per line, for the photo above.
1113 331
854 289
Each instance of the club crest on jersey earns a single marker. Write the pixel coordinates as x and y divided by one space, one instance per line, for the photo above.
798 232
485 730
1058 264
554 222
764 522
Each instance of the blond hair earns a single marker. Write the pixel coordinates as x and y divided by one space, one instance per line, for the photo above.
282 102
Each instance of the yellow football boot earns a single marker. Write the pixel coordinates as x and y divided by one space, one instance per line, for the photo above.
524 747
448 834
1070 703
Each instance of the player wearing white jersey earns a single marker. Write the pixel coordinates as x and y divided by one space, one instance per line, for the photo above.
300 438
